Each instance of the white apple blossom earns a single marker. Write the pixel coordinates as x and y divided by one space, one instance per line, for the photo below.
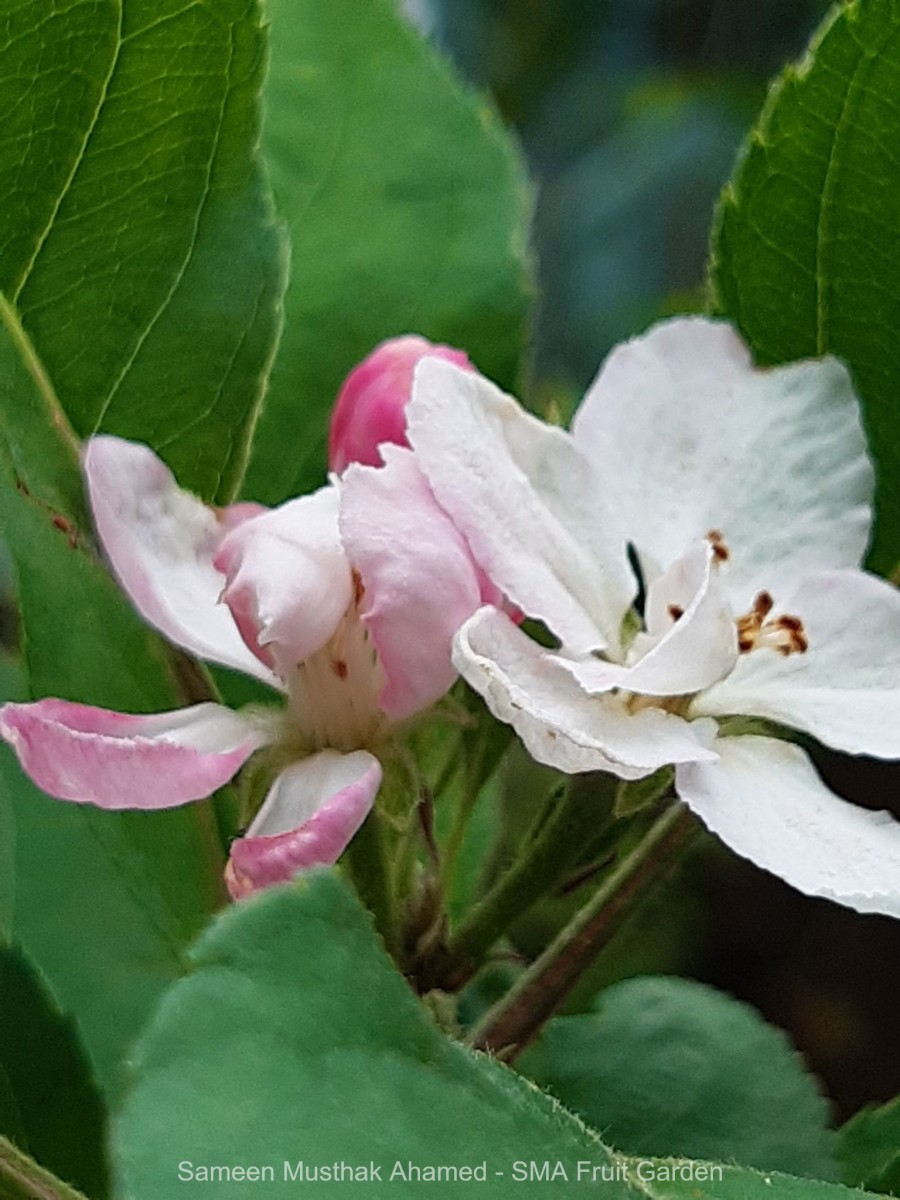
744 496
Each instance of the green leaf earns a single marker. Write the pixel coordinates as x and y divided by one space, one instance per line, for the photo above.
407 210
738 1184
49 1104
667 1066
11 688
806 247
139 249
294 1039
142 269
7 863
869 1148
103 901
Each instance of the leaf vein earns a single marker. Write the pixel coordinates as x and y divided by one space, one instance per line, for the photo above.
855 89
76 164
188 255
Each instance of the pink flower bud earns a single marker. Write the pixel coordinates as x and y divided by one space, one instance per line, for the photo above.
371 405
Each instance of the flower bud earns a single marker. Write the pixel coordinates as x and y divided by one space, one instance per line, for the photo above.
371 405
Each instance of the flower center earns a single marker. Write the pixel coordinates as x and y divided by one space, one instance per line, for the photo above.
333 695
679 705
756 629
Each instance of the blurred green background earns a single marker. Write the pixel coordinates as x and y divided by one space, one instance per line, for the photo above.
630 113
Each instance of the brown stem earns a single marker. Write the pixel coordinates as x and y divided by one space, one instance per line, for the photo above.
192 679
22 1179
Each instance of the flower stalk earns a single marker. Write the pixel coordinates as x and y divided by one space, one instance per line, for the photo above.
570 820
22 1179
482 755
514 1022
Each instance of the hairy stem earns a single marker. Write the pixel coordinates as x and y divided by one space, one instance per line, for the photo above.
367 860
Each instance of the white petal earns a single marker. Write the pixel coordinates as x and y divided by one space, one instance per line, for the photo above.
526 501
681 654
302 789
160 542
690 437
845 689
560 725
289 582
764 799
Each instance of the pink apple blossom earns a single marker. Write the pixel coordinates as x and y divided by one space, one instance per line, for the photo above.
345 601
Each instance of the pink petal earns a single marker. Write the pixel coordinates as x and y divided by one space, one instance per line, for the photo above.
309 816
420 582
371 405
288 579
160 542
116 760
236 514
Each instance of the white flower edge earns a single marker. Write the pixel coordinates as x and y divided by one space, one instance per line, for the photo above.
764 799
560 725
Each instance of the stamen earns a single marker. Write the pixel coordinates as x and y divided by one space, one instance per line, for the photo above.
717 541
676 612
334 693
359 589
763 604
785 634
746 639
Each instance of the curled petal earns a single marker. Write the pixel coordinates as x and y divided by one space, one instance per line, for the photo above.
288 579
160 542
844 689
527 502
691 640
371 406
309 816
558 722
420 582
116 760
689 437
764 799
